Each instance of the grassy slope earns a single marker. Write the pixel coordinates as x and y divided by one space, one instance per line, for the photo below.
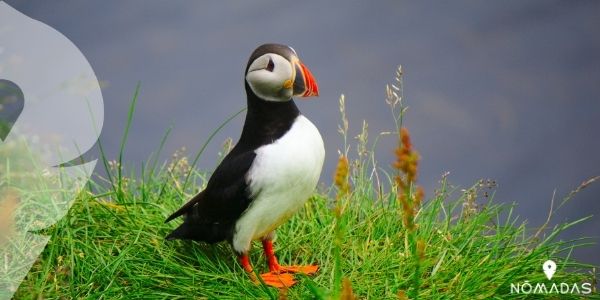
111 246
116 250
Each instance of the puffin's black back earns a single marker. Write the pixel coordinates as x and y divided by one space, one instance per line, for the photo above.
211 215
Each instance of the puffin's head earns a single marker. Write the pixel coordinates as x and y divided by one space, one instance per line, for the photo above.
275 73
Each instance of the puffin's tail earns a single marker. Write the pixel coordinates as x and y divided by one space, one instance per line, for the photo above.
204 232
180 233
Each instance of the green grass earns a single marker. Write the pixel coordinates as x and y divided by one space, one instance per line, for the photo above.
111 246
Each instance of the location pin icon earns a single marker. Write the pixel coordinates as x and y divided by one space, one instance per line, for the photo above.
549 268
11 106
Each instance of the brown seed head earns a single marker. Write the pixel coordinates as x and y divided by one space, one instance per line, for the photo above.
341 176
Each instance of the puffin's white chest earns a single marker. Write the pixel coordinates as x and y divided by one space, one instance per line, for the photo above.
283 176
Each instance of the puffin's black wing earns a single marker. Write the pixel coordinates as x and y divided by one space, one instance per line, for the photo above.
210 215
186 207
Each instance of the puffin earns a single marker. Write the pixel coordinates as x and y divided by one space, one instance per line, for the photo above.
269 174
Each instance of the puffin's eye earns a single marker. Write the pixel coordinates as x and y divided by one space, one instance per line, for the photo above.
270 65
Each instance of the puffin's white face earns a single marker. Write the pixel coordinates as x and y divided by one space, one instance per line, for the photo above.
271 77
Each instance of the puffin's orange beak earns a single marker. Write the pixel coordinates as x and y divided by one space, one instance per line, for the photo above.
305 84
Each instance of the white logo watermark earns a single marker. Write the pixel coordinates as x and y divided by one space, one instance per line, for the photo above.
549 268
51 111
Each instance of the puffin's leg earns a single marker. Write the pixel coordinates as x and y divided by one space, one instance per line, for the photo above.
245 262
272 279
274 266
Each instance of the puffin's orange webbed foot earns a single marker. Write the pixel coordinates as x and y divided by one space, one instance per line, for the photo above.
278 280
274 278
308 270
